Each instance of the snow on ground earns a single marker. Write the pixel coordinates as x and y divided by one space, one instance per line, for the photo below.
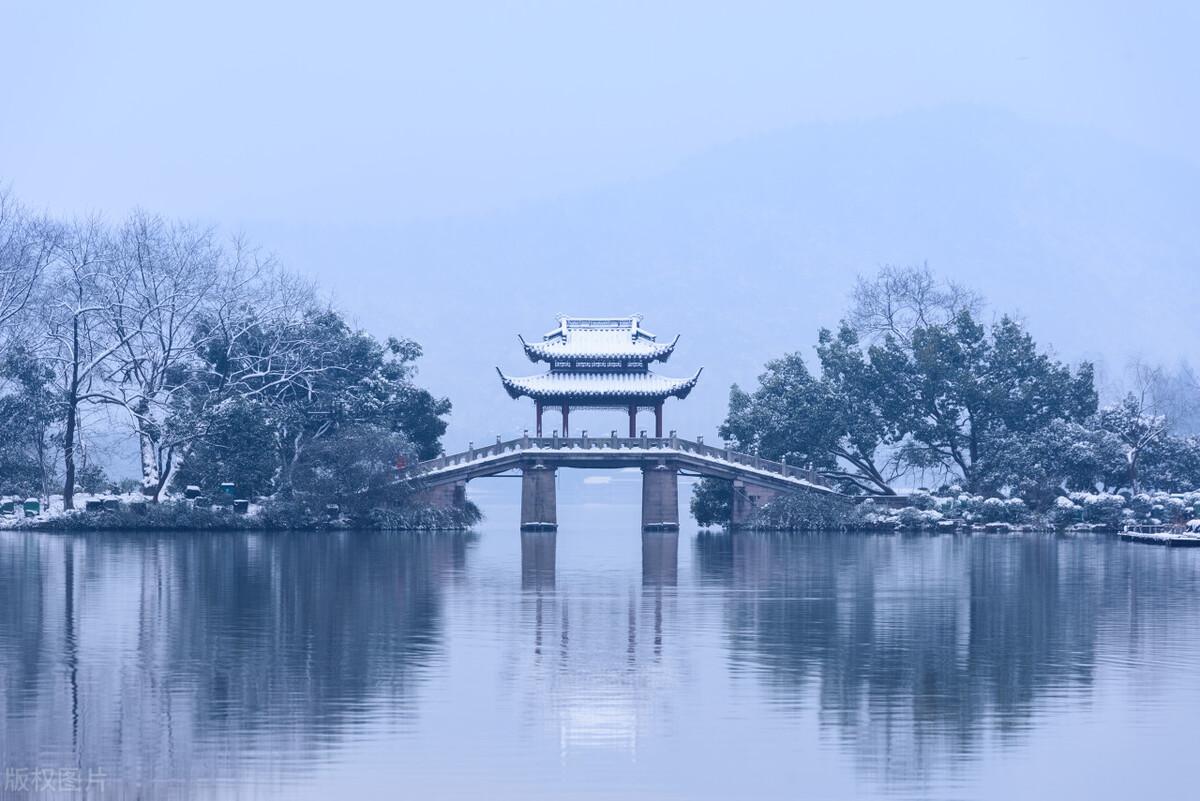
53 508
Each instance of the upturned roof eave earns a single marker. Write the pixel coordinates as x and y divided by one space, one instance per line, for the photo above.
517 386
542 352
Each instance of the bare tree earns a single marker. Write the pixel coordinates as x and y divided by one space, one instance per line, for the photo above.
1172 393
899 300
78 345
189 327
158 277
256 342
26 246
251 329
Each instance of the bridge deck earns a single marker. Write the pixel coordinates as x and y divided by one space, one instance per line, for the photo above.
614 452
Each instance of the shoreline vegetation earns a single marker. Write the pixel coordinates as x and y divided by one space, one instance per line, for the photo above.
198 359
916 387
183 515
961 512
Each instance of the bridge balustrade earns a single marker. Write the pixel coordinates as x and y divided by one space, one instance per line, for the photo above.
673 443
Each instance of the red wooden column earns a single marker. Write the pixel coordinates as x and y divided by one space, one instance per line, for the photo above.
658 419
538 405
566 412
632 420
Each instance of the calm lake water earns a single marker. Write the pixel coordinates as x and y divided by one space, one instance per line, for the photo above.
599 663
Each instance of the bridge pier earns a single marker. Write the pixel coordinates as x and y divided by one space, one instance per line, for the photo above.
444 496
660 498
539 502
748 497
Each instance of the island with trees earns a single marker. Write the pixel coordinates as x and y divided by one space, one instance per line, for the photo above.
929 415
242 390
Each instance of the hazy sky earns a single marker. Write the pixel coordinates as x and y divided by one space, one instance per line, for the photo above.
351 111
459 173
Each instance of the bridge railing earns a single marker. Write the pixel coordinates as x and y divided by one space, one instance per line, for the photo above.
610 443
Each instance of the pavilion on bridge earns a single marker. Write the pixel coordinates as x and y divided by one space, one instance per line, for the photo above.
599 363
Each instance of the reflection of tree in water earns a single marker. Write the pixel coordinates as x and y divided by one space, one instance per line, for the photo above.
197 653
915 648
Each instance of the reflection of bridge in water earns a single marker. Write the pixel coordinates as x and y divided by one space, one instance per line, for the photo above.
539 556
195 656
604 658
661 459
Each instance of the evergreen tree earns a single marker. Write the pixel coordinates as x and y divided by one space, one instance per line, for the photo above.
27 417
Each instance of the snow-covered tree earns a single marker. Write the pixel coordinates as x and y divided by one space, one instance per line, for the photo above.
157 279
959 390
26 244
863 440
1062 456
372 385
323 382
27 418
1138 428
790 415
1171 464
937 391
74 343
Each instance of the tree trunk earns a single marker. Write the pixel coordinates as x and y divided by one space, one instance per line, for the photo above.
71 422
69 453
170 467
149 453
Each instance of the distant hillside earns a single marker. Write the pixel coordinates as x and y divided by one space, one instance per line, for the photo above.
748 249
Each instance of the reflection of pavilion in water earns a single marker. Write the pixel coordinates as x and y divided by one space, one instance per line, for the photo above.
599 662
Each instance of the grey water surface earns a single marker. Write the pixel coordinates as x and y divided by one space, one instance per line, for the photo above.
597 663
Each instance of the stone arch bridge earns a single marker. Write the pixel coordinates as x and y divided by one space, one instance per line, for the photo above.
661 459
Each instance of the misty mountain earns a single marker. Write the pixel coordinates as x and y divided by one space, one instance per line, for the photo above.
748 249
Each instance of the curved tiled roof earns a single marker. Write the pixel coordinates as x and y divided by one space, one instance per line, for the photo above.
597 385
599 347
599 338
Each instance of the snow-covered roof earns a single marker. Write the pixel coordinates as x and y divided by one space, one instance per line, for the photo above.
598 337
561 385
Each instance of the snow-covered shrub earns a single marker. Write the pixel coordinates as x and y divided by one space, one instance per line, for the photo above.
879 521
970 506
947 505
425 518
913 519
1141 504
805 511
1015 510
1100 507
921 499
1174 510
1064 512
993 511
1191 502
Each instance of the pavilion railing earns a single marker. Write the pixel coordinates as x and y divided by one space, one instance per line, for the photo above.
614 443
